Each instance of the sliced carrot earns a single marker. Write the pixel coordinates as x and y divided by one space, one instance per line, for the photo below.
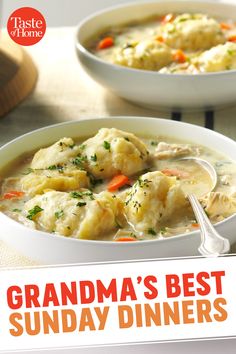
13 194
177 173
232 38
179 56
125 239
160 39
167 18
225 26
117 182
105 43
195 224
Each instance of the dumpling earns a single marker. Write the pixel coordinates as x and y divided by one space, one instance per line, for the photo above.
153 199
193 32
148 54
56 154
219 58
167 151
82 215
58 167
63 180
112 151
218 205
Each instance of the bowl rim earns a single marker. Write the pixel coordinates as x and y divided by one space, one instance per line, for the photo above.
81 48
45 234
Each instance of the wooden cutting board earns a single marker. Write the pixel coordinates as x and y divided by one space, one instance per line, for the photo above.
18 74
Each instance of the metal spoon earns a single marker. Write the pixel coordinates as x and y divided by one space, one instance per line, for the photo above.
212 244
207 166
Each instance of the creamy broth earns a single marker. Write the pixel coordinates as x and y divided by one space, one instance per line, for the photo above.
44 198
174 43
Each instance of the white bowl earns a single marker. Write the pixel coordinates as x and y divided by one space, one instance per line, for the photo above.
149 88
51 249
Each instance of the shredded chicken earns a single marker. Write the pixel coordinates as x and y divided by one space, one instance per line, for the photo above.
219 205
166 151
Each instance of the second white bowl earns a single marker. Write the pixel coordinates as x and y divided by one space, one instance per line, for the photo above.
149 88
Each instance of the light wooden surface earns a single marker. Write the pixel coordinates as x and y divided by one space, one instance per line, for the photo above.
18 74
65 92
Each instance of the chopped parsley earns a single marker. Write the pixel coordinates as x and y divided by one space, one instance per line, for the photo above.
80 195
79 161
143 182
63 146
33 212
93 158
231 52
88 194
72 146
81 204
151 231
171 29
163 230
16 210
59 214
128 45
76 195
28 171
55 167
107 145
183 19
154 143
82 147
136 205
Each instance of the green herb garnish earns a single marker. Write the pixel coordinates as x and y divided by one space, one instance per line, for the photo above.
28 171
151 232
82 146
55 167
163 230
80 195
79 160
81 204
59 214
154 143
107 145
231 52
143 182
16 210
76 195
93 158
33 212
88 194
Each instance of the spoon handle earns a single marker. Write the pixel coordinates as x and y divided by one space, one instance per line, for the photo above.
212 244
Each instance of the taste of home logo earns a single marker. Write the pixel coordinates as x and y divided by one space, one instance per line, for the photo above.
26 26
